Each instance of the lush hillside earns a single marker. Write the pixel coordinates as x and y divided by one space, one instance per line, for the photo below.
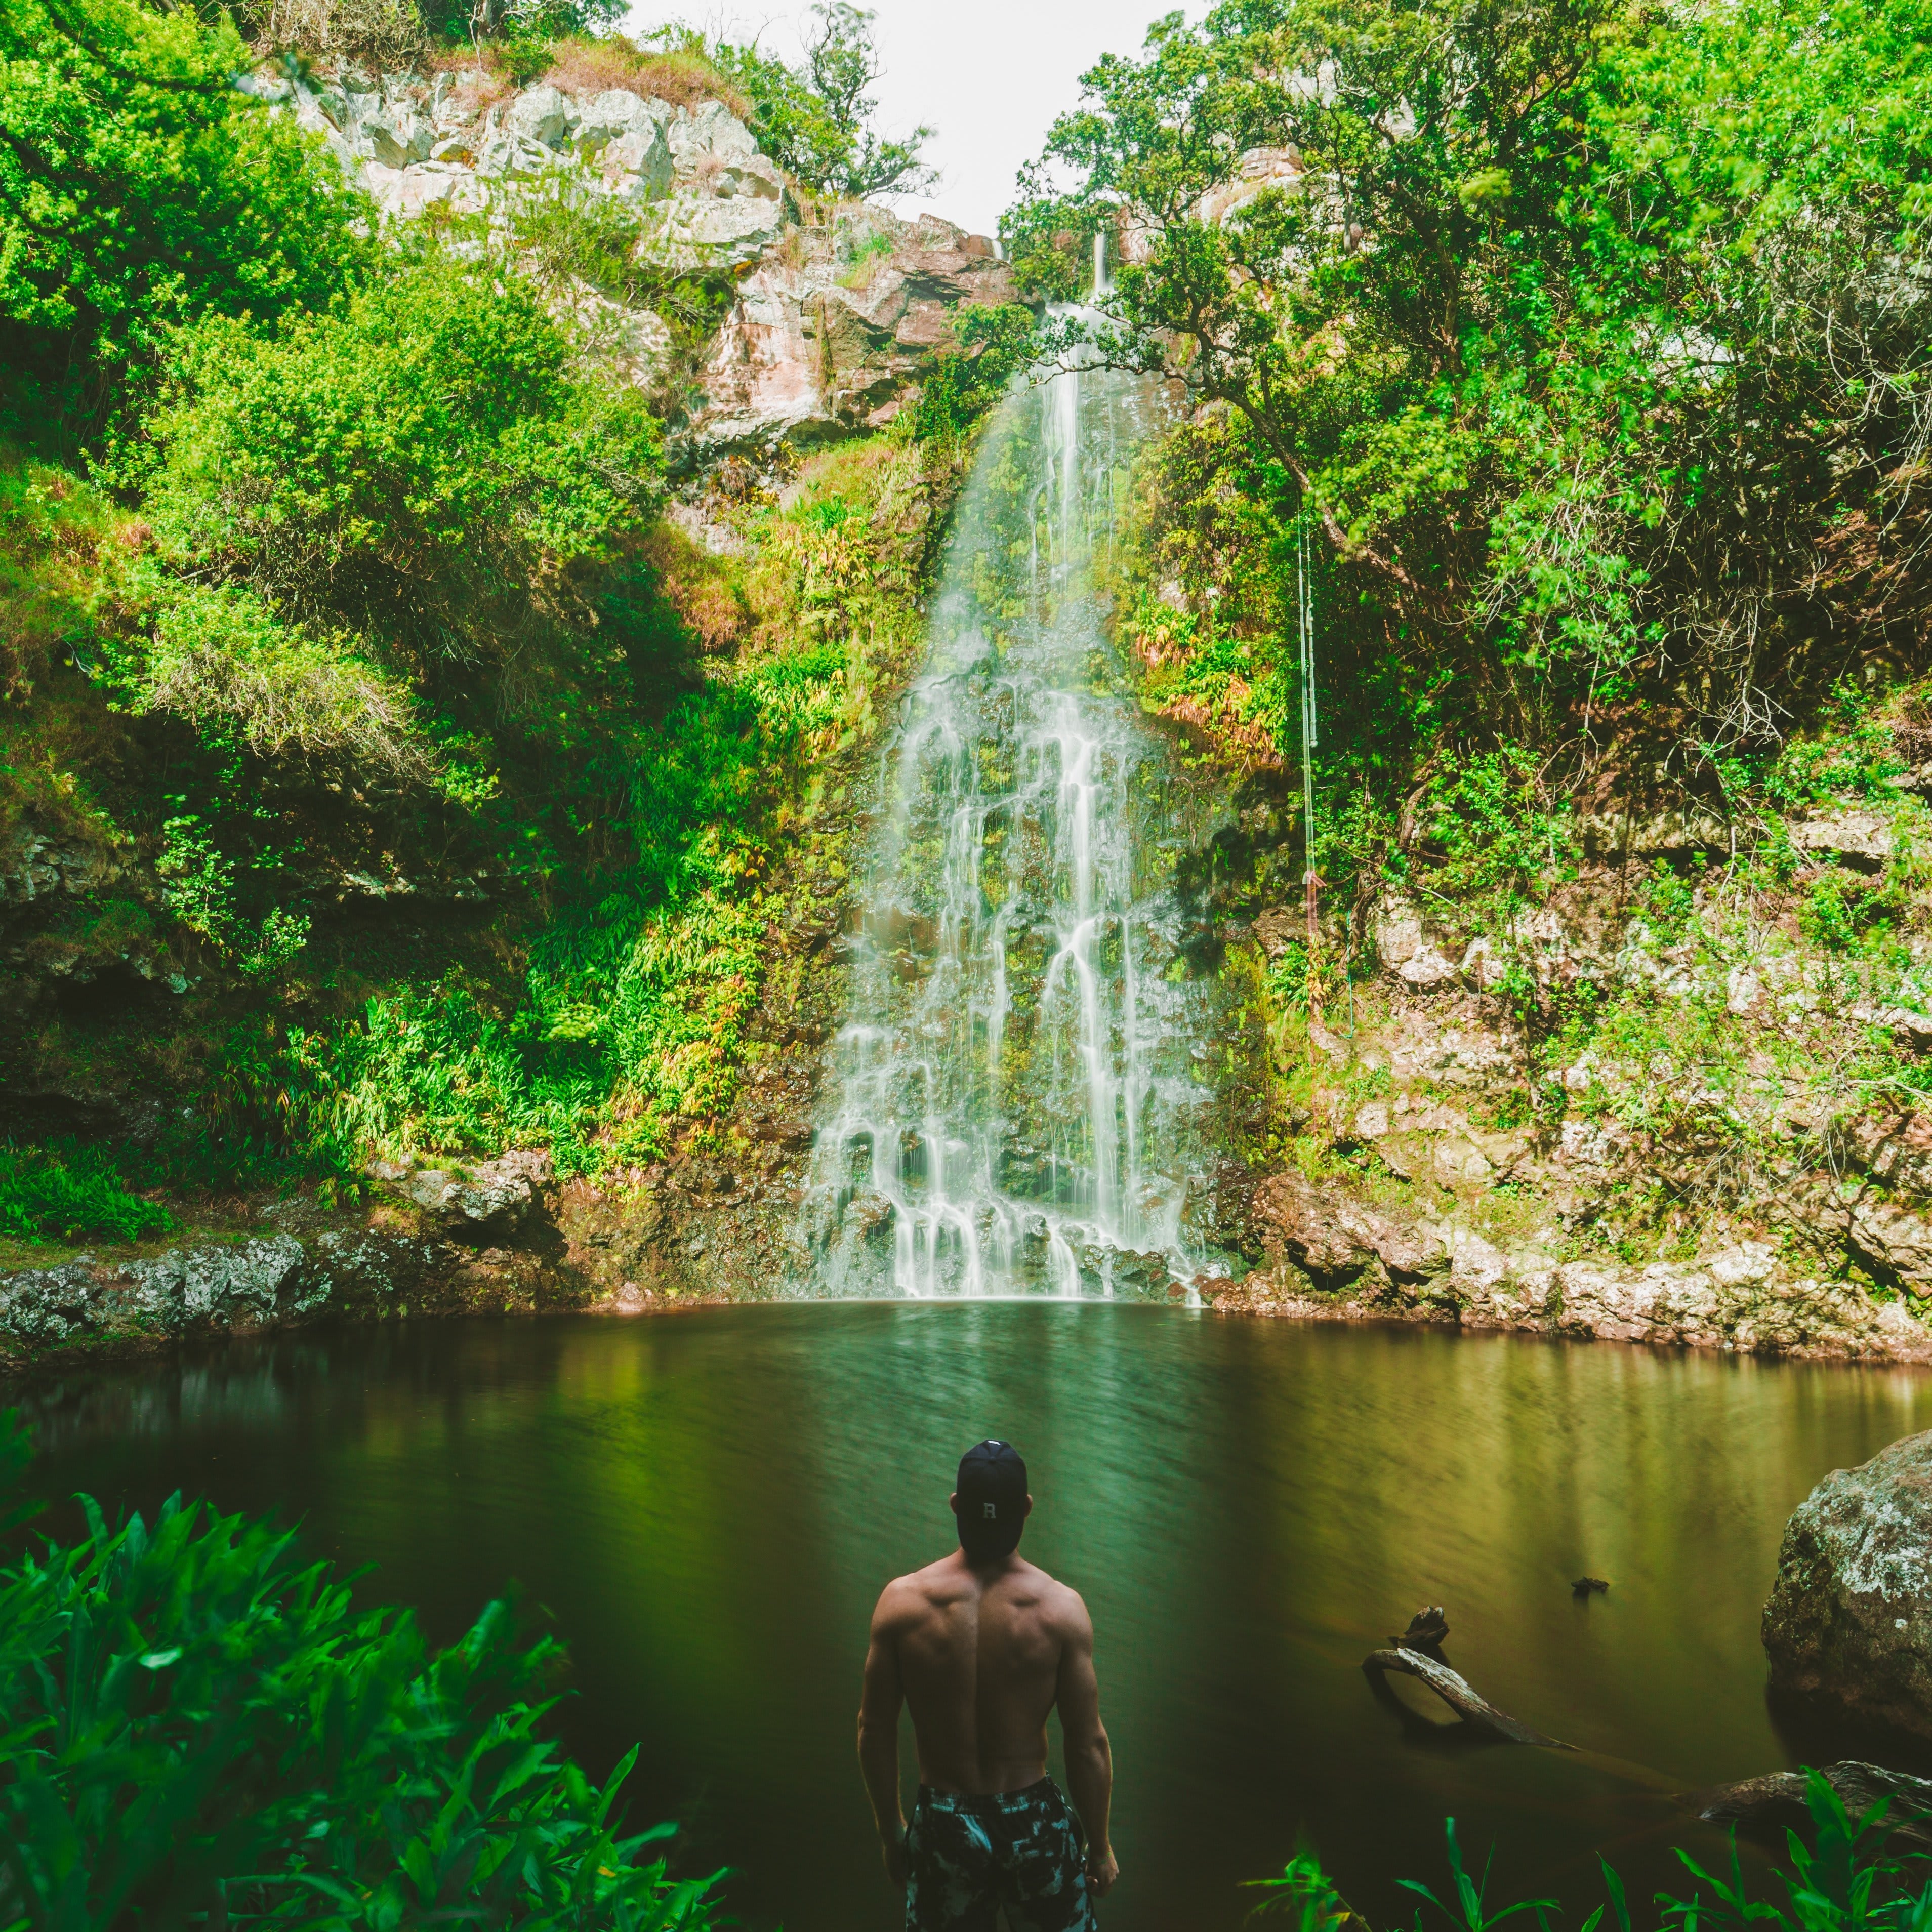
1561 372
397 756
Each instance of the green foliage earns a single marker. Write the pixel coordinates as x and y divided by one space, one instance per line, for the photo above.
1856 759
815 120
51 524
1552 370
139 189
1304 1893
197 1726
435 1070
386 601
567 232
1668 900
403 467
1846 1880
1466 1909
964 383
1840 908
68 1192
221 658
198 881
1496 840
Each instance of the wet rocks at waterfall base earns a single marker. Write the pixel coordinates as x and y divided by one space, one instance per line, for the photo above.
1848 1621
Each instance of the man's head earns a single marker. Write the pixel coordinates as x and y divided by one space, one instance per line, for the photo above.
991 1502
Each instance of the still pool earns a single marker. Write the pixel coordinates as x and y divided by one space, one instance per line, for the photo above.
704 1507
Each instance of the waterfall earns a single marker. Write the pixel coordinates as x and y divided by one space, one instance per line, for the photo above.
1015 1098
1101 284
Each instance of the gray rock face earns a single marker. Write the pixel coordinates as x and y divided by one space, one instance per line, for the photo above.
1849 1617
44 1307
1330 1255
229 1287
704 193
491 1199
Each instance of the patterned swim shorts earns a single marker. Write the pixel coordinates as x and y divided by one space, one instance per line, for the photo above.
1021 1850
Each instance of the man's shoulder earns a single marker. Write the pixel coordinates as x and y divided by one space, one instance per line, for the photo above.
1060 1603
918 1590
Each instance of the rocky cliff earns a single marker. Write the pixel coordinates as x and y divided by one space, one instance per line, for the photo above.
1648 1108
836 311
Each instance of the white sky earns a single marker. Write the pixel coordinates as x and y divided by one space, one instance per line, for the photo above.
990 75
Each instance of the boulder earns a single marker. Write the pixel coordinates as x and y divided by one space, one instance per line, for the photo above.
1862 840
544 114
1849 1618
485 1201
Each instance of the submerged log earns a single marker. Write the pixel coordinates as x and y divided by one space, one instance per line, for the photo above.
1456 1691
1777 1797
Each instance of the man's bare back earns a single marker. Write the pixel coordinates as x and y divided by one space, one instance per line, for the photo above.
981 1651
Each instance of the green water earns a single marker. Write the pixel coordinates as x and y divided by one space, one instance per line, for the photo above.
706 1506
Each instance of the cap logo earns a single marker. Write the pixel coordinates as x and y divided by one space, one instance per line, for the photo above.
992 1513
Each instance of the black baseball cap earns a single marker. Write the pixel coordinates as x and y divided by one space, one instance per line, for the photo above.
992 1490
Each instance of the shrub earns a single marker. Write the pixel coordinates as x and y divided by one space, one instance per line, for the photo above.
194 1726
71 1193
139 189
405 467
222 661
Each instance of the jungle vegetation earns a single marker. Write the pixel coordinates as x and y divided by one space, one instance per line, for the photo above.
340 624
1583 345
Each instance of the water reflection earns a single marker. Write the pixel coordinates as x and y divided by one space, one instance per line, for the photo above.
706 1506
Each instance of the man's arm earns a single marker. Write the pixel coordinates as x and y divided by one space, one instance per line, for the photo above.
1089 1759
879 1738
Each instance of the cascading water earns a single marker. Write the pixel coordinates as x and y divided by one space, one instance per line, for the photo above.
1015 1105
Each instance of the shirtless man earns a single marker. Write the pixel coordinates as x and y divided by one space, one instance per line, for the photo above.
982 1645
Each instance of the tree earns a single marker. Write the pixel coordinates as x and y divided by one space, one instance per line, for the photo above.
139 189
1548 344
815 121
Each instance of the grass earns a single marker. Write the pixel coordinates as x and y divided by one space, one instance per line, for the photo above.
1846 1879
589 64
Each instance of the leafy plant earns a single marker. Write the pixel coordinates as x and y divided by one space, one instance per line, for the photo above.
1305 1893
964 383
1497 842
1845 1880
193 1724
70 1193
140 189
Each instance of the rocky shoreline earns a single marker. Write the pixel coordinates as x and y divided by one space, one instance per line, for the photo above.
505 1238
1332 1257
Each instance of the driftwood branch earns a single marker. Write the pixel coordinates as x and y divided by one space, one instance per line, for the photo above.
1780 1796
1456 1691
